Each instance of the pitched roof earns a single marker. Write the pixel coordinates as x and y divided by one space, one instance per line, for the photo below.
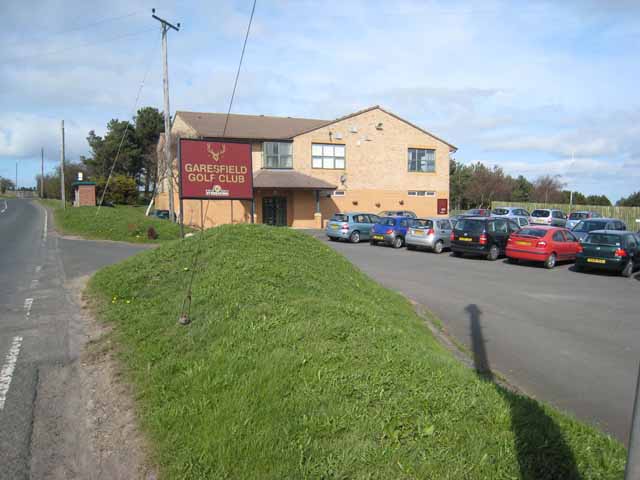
252 127
289 179
360 112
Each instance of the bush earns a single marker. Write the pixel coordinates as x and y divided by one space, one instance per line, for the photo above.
122 189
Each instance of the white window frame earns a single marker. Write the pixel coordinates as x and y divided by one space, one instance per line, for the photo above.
338 193
421 193
284 160
328 156
421 160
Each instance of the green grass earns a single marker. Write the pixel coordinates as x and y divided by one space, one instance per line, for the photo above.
122 223
297 365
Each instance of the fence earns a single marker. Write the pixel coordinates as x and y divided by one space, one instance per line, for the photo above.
627 214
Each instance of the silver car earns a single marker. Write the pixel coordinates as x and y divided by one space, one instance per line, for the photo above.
515 213
548 216
431 233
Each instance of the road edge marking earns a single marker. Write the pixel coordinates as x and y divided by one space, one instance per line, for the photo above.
6 374
44 232
6 205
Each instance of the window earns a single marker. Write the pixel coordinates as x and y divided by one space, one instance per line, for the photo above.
421 193
338 193
327 156
570 236
277 155
558 237
360 219
523 221
501 226
513 226
422 160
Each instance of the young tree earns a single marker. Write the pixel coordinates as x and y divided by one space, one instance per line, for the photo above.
487 185
6 184
149 123
120 137
548 189
632 200
459 177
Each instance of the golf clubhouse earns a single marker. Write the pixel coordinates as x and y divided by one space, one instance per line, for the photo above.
305 170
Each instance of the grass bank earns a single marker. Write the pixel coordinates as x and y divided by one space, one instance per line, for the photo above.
297 365
122 223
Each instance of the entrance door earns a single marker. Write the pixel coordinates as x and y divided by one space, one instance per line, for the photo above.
274 211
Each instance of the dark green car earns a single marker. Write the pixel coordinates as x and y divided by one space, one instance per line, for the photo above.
611 250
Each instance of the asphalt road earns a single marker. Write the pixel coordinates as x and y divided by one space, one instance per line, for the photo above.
567 338
40 327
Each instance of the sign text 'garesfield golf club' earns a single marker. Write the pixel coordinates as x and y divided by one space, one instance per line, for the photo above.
211 170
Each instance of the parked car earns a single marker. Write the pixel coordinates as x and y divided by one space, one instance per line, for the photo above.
477 212
548 216
482 236
398 213
582 229
163 214
612 250
431 233
352 226
390 231
542 244
515 213
575 217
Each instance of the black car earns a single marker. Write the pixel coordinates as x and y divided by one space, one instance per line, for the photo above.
612 250
482 236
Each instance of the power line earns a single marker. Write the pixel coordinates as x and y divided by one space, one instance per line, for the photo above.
53 52
185 309
77 29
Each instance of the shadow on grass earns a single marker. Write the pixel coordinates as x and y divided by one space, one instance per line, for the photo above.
540 445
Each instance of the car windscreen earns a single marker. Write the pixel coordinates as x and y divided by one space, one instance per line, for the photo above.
603 239
470 226
422 223
578 215
340 217
476 211
541 213
589 226
387 222
531 232
500 211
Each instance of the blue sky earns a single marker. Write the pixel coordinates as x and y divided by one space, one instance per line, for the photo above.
535 87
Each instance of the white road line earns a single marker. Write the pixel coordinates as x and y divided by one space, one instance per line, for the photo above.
44 232
4 209
28 303
6 374
34 283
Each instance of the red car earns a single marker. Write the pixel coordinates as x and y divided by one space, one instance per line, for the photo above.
542 244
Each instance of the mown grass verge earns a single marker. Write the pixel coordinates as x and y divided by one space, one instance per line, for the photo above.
122 223
297 365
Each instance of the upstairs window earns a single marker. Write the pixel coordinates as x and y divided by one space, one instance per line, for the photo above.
277 155
327 156
422 160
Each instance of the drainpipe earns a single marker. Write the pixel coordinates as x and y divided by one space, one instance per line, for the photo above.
317 201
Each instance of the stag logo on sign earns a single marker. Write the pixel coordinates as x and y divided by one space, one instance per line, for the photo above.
215 155
217 191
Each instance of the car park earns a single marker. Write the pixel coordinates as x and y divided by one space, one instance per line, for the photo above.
611 250
548 216
542 244
514 213
582 229
390 231
398 213
431 233
482 236
574 217
352 226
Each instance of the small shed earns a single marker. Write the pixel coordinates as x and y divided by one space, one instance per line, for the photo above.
84 193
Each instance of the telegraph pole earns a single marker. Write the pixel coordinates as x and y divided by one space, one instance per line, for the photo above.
42 173
16 188
167 114
64 203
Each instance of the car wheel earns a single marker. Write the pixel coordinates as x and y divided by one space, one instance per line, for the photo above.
628 269
411 247
332 239
550 262
457 254
494 253
397 242
437 248
354 237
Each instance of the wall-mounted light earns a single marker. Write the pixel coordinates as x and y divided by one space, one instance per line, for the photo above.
401 202
378 204
355 202
379 126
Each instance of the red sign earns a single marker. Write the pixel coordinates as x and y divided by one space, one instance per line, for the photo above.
443 206
215 170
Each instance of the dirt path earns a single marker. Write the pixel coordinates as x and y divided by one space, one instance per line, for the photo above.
84 423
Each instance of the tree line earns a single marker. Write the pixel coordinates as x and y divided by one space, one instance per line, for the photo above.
134 175
476 185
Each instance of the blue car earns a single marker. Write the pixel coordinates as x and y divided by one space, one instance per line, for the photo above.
391 231
352 226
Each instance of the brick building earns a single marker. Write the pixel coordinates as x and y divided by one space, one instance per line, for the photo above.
305 170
